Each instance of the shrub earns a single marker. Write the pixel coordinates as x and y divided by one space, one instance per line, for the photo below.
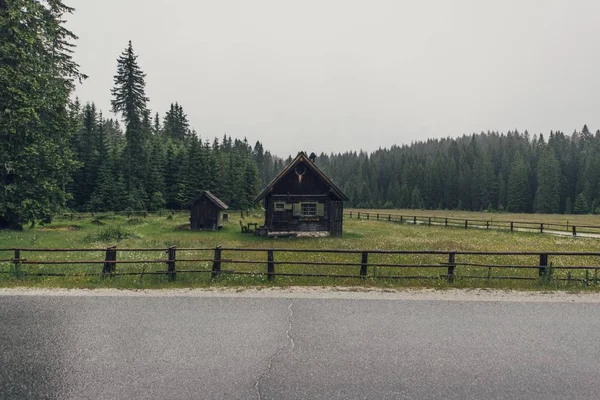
388 205
110 233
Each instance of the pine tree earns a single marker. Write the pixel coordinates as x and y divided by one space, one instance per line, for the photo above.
393 193
129 99
568 206
405 196
415 199
581 205
194 170
501 192
176 124
547 198
518 187
37 116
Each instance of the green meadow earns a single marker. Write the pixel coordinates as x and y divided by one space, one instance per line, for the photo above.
162 231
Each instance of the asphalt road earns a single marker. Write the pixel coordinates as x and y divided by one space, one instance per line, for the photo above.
129 347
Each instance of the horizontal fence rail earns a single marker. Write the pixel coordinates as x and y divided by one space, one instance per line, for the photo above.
528 226
328 263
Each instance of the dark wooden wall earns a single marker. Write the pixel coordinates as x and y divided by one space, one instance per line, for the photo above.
205 215
311 183
309 188
285 221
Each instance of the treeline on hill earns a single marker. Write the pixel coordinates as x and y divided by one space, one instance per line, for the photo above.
489 171
170 168
157 162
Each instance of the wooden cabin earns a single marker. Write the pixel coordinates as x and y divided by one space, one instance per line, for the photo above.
206 212
302 199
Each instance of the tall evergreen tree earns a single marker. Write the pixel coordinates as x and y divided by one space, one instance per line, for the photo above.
581 205
129 99
547 198
518 187
37 76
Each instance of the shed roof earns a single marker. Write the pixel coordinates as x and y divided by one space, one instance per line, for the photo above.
299 158
214 199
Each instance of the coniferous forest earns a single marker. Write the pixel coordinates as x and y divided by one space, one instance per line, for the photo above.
57 153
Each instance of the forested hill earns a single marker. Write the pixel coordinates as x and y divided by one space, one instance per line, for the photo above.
169 169
517 172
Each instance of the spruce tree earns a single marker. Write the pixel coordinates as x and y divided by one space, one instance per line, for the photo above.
568 206
547 197
176 124
518 187
37 115
405 196
581 205
415 199
129 99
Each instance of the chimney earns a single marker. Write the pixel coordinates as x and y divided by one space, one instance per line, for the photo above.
312 157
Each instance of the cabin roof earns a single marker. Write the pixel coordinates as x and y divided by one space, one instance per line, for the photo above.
299 158
214 199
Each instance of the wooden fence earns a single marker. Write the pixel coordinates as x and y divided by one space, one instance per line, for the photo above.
272 262
530 226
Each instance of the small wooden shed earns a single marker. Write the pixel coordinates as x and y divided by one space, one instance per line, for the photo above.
302 200
206 212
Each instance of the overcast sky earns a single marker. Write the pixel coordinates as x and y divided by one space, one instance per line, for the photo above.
325 75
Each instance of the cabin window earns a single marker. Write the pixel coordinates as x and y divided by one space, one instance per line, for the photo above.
279 206
309 209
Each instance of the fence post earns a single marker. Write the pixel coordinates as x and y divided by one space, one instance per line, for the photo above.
401 219
512 226
446 222
415 220
466 223
377 216
543 264
389 217
368 216
541 228
171 253
110 259
429 222
364 262
574 230
487 224
270 265
451 265
358 216
17 262
350 214
216 268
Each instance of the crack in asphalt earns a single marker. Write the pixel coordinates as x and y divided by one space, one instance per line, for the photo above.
270 364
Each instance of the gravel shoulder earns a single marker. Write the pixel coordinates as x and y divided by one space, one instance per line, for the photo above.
479 295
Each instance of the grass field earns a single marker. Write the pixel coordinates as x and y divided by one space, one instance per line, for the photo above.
160 232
